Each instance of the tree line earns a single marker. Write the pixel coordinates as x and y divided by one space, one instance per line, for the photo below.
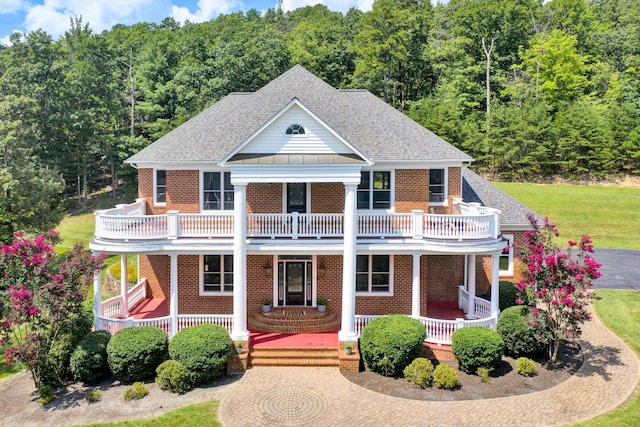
528 89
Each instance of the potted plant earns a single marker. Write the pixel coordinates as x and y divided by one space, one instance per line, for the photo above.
348 347
239 347
266 305
322 304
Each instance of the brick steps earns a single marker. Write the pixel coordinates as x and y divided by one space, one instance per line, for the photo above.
309 322
294 357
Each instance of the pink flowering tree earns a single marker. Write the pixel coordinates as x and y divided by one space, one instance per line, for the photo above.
555 283
41 296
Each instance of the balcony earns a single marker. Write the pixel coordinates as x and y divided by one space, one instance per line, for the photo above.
130 223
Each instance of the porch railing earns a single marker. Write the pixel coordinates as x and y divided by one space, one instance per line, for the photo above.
113 325
438 331
113 307
129 222
481 306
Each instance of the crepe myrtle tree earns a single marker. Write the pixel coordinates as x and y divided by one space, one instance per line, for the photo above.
41 297
555 283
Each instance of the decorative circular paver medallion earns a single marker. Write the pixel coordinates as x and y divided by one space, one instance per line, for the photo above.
290 405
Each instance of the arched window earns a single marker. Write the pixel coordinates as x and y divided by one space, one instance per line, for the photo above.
295 130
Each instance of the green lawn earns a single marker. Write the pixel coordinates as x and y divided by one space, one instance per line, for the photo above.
199 414
610 215
78 228
620 311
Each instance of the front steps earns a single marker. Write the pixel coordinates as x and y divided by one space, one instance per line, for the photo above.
293 357
298 320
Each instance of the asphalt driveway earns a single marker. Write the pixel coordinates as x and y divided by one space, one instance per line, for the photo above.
619 269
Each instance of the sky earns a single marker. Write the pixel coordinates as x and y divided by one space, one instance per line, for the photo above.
53 16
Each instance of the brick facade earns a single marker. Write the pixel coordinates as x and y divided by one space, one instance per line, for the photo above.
412 190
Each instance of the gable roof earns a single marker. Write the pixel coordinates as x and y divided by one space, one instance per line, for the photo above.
477 189
374 128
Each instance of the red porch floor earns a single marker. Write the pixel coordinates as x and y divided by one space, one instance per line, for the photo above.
149 308
275 340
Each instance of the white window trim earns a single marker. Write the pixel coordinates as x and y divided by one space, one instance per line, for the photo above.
446 187
392 189
155 187
509 271
201 190
391 275
201 274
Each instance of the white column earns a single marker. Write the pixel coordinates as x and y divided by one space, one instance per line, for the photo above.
97 298
173 293
347 331
240 331
415 288
495 284
471 286
124 285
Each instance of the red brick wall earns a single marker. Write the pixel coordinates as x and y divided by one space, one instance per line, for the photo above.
412 190
183 191
327 197
155 268
483 265
444 274
189 299
264 197
258 285
145 190
330 286
400 302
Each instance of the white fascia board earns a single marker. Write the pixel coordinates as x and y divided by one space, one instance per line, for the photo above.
415 164
345 173
294 101
182 165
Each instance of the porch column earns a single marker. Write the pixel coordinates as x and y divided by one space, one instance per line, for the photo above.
97 298
240 331
348 330
124 285
173 293
471 285
495 284
415 288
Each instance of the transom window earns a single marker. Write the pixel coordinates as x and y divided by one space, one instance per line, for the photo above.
217 274
506 257
295 130
373 274
436 186
217 191
374 191
161 186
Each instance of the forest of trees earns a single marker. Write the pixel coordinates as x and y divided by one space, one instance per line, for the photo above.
528 89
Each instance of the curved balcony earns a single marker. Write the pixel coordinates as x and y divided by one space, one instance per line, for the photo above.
130 223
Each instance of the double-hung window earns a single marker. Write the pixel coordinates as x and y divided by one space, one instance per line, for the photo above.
217 191
374 274
374 191
160 187
216 274
506 257
437 192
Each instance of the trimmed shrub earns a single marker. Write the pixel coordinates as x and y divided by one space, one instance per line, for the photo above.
137 391
46 394
519 337
133 354
203 350
420 372
89 359
507 294
445 377
525 367
173 376
477 347
483 373
389 343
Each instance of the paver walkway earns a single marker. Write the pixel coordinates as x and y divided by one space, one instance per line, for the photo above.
293 396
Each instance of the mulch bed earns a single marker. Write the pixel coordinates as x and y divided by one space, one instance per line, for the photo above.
505 382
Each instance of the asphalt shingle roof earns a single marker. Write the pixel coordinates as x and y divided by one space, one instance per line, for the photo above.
378 130
477 189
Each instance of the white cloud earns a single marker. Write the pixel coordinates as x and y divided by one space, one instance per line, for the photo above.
335 5
11 6
207 9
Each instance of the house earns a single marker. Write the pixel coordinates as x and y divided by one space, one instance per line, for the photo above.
299 191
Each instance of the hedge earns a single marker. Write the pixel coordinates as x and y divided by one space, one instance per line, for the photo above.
134 353
519 337
89 359
477 347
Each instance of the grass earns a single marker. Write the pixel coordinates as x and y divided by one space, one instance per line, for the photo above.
7 371
199 414
620 311
73 229
610 215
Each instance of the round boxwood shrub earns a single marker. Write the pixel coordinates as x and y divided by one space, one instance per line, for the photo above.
477 347
445 377
134 353
519 337
173 376
203 350
389 343
420 372
89 359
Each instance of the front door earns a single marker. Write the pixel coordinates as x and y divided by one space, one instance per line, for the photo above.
295 284
296 197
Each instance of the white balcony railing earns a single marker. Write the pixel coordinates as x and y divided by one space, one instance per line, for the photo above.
129 222
113 325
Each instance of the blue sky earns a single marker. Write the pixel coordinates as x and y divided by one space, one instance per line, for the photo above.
53 15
